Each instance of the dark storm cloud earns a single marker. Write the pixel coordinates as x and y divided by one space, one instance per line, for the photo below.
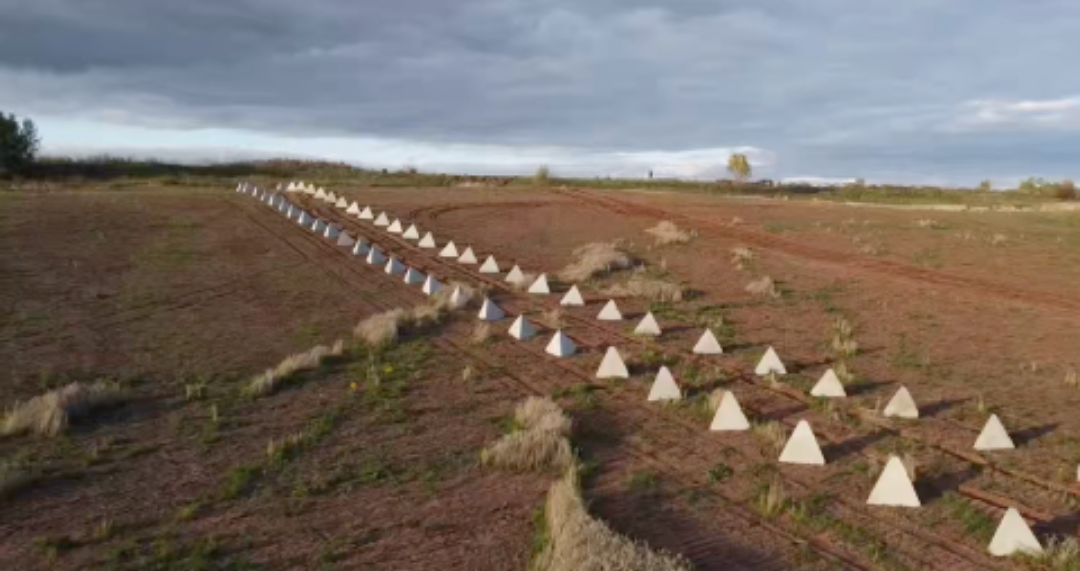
833 87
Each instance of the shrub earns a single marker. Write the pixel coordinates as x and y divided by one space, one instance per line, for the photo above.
542 176
49 414
668 233
539 441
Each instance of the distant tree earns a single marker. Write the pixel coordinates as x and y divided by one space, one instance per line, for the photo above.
738 166
986 186
1066 190
19 144
542 176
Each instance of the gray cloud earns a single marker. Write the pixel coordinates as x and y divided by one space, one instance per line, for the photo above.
832 88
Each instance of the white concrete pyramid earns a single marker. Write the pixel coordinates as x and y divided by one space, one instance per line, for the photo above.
802 447
572 298
449 251
353 209
395 227
829 385
394 267
342 203
431 285
521 329
428 241
901 405
318 226
770 363
894 487
1014 536
467 257
332 231
729 415
515 275
345 240
382 220
331 197
304 219
240 187
994 436
490 312
664 387
366 214
320 194
540 286
560 345
648 326
278 187
290 212
458 298
414 276
311 189
612 367
490 266
610 312
375 257
291 187
707 344
360 248
411 233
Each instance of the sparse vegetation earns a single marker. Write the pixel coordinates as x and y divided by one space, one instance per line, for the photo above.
593 259
271 380
772 432
667 232
14 476
49 414
647 287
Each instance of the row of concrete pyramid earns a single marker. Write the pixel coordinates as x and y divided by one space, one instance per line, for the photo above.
893 487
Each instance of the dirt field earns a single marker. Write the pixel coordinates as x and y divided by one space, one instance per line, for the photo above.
165 288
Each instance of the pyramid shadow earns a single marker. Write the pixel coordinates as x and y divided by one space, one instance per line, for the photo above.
677 328
784 412
1067 525
1029 435
932 488
934 409
796 367
859 389
837 450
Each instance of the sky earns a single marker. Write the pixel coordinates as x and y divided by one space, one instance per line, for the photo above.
920 91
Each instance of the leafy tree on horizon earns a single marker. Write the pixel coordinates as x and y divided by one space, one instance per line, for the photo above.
19 143
739 166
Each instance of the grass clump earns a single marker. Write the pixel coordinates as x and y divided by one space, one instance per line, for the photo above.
639 285
741 257
538 440
593 259
14 476
1059 554
764 286
270 380
771 432
667 232
49 414
578 542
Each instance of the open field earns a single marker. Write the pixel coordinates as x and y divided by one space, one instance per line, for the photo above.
181 293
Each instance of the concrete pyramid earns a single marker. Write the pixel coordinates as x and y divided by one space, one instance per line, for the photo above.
994 436
560 345
353 209
304 219
490 266
278 187
894 487
360 248
729 415
902 405
515 275
332 231
290 212
320 194
829 386
1013 535
240 187
382 220
610 312
458 298
572 298
467 257
366 214
291 187
411 233
311 189
431 285
414 276
540 286
449 251
707 344
521 329
342 203
375 257
428 241
345 240
490 312
395 227
802 447
612 367
648 326
331 197
770 363
319 226
394 267
664 387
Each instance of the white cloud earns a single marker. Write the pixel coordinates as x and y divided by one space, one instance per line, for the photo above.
1061 113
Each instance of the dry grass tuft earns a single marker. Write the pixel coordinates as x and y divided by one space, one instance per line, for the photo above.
1071 378
643 286
593 259
525 282
539 442
579 542
552 318
763 286
742 257
714 399
271 379
772 499
380 330
1059 554
49 414
441 299
668 233
481 333
772 432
